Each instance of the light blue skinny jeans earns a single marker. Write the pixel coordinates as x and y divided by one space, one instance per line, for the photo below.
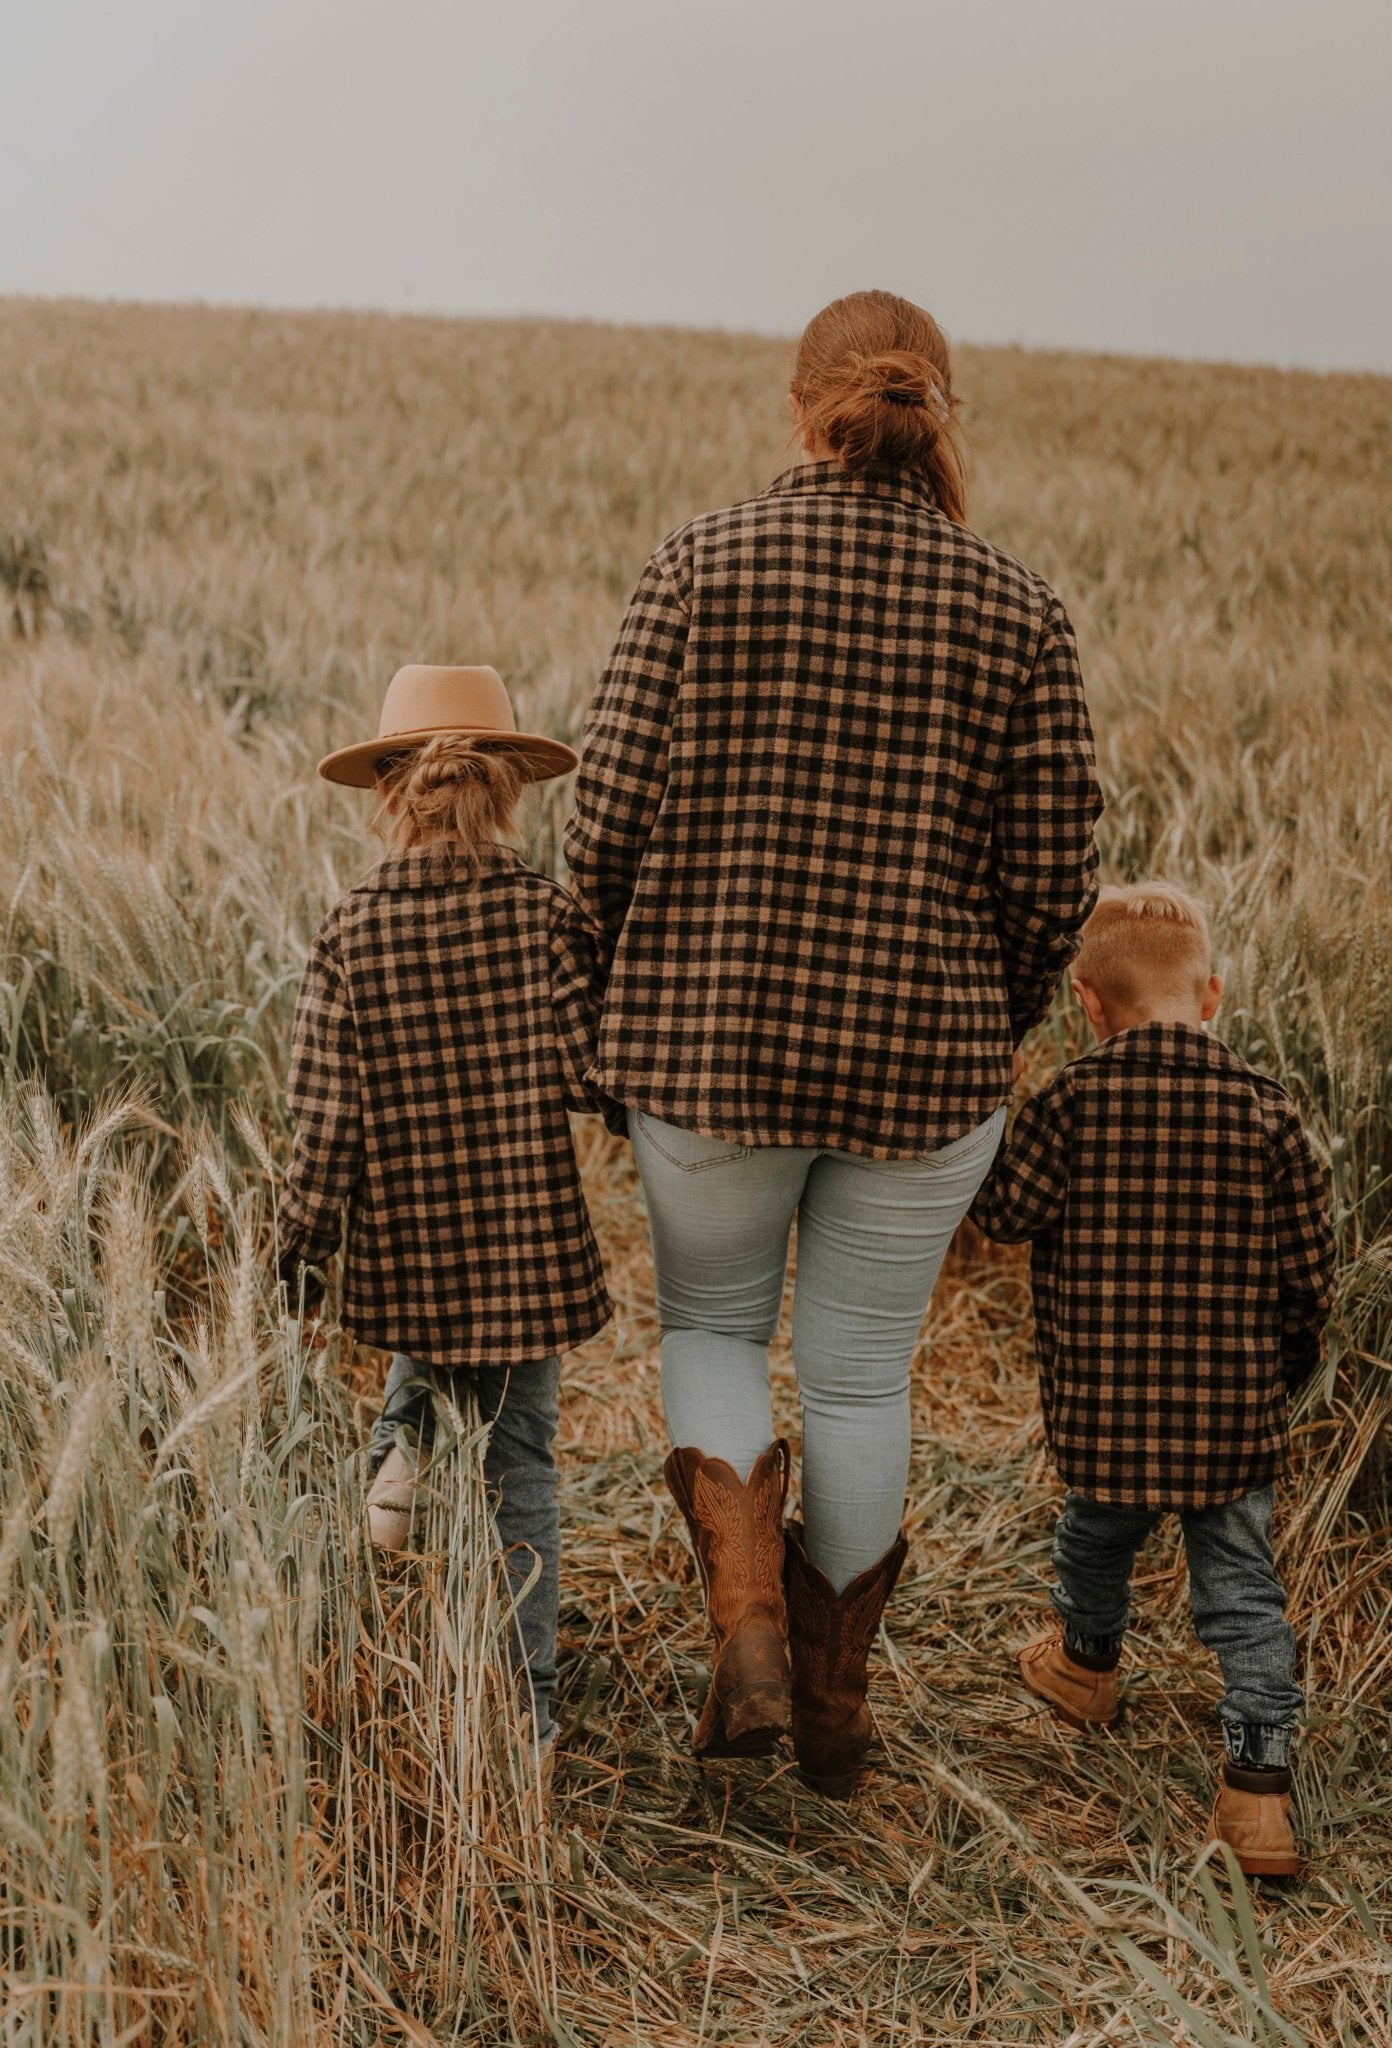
521 1405
872 1236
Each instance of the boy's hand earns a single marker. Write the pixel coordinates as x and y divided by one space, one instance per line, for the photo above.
1017 1067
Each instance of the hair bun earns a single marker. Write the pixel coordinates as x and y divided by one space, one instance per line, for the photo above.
451 794
899 378
872 385
449 759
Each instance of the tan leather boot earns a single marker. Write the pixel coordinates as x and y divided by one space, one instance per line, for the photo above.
830 1636
1084 1699
1252 1815
737 1533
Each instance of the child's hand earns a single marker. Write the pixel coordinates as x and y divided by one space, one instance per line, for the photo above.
306 1333
1017 1067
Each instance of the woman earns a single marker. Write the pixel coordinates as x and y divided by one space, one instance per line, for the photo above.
835 820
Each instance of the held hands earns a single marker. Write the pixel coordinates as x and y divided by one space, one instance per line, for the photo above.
306 1331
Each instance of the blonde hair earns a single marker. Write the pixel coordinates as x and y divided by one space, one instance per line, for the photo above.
873 382
450 794
1143 941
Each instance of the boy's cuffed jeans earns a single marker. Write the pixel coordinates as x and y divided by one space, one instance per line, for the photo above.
521 1405
1238 1604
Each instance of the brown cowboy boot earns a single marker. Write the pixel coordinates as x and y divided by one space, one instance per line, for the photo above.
1083 1698
830 1636
1252 1815
737 1533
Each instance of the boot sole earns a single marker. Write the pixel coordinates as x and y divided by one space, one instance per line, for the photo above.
756 1742
754 1720
831 1788
1266 1866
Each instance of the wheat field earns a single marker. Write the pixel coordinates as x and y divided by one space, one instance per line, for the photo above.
258 1789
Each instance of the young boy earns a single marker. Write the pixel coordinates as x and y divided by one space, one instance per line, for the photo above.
1182 1267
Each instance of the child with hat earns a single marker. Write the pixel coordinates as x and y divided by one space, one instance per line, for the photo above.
1182 1266
444 1026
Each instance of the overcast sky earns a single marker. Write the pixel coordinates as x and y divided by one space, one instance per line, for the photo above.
1188 177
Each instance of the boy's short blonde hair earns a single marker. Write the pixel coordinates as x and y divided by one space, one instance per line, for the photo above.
1143 941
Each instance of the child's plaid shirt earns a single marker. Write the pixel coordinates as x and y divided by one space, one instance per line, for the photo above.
441 1039
835 819
1182 1264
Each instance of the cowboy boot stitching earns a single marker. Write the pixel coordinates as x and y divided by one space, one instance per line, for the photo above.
723 1528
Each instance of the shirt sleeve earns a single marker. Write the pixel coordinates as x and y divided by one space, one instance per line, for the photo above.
623 769
324 1094
1305 1248
1024 1193
577 986
1045 856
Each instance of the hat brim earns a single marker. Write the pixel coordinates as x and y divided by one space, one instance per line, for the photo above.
543 758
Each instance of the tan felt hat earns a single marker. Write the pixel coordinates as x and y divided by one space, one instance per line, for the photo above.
422 701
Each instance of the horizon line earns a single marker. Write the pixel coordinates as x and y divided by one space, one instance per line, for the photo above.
331 309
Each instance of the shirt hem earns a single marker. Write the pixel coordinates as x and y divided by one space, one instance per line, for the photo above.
1166 1500
546 1344
806 1138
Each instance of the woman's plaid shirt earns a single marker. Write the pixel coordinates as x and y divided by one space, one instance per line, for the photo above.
1182 1264
441 1039
835 818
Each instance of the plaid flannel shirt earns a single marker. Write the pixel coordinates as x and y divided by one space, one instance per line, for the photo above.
441 1038
1182 1265
834 817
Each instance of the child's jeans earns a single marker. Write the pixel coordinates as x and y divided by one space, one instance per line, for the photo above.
1239 1606
521 1404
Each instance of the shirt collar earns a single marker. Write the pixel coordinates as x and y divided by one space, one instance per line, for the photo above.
418 869
880 480
1165 1045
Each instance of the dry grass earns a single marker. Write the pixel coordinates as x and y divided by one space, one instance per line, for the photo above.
254 1789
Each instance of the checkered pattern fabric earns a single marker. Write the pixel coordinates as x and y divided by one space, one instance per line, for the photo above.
1182 1263
442 1037
835 819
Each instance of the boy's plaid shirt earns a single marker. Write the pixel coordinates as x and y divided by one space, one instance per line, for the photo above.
441 1039
835 818
1182 1265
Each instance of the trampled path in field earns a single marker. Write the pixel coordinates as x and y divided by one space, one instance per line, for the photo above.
955 1897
